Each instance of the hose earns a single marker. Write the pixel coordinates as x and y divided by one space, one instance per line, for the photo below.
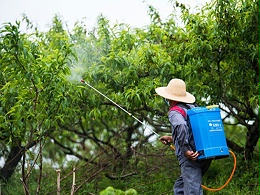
230 177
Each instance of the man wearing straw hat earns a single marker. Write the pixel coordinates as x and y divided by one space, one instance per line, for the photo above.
192 170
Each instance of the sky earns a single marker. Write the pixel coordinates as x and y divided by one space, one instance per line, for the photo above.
132 12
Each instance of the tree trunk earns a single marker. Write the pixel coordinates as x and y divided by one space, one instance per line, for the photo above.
252 138
13 159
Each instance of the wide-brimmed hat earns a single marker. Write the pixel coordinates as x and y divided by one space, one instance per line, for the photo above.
176 90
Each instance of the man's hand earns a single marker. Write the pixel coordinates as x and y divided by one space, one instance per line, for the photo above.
166 139
191 155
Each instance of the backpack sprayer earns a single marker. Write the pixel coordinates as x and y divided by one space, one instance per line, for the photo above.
211 142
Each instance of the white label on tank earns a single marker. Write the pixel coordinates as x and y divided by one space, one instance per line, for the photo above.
215 125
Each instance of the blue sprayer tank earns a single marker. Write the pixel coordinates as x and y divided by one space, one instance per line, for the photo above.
208 132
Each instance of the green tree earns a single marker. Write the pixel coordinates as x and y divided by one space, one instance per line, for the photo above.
140 60
34 92
225 67
215 53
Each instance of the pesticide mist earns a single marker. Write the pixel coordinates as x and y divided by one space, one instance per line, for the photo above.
80 64
76 73
86 54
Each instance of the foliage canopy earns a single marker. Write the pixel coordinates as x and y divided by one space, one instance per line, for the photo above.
47 114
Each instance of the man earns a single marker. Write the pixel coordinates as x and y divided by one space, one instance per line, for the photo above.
192 170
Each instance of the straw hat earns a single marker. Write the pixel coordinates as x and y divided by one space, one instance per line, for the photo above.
176 90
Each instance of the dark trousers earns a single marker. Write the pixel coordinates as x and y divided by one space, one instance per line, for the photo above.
189 183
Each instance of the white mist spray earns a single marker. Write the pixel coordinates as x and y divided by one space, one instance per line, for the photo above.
76 73
79 64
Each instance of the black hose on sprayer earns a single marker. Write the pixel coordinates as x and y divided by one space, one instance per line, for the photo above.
170 144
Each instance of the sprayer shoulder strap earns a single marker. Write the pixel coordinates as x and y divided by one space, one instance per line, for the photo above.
180 110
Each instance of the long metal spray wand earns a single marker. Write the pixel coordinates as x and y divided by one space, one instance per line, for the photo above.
120 107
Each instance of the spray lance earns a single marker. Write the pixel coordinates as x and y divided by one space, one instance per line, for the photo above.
83 81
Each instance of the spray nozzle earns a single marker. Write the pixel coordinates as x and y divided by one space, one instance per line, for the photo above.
82 80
